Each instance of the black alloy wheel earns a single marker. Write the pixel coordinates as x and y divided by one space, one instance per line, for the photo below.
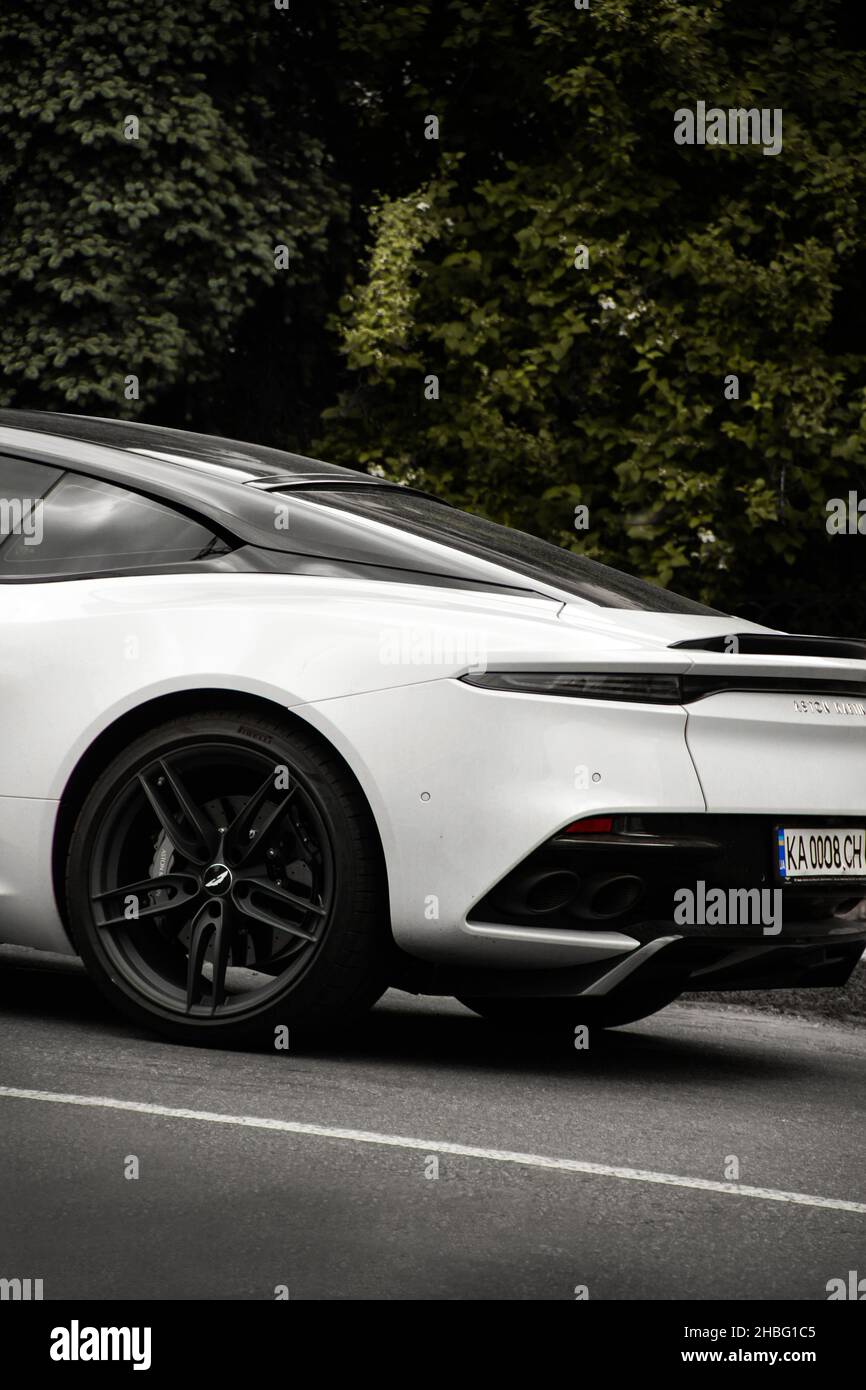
224 877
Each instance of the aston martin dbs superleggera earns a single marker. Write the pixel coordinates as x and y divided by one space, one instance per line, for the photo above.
275 735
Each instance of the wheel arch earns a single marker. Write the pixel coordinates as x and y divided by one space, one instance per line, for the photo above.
132 723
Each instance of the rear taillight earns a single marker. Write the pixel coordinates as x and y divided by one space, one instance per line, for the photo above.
641 688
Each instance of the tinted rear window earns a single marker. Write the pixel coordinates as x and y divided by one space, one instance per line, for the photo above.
526 555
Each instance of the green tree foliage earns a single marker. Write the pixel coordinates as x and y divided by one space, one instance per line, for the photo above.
139 256
605 386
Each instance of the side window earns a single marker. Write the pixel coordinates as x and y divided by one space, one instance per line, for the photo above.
80 525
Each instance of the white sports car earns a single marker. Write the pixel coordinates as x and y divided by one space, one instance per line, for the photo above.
275 735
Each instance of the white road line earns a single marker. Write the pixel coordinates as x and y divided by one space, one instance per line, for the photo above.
437 1146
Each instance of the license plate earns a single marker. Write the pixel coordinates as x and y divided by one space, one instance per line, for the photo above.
820 853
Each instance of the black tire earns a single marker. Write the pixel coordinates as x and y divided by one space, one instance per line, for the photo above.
546 1015
166 881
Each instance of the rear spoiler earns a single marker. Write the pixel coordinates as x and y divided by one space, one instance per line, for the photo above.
779 644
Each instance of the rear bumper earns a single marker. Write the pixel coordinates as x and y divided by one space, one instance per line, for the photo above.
696 876
621 890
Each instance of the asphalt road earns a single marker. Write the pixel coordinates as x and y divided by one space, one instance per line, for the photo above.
223 1210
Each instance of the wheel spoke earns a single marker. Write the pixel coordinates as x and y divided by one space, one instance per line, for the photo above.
198 944
194 834
222 941
238 844
182 888
258 899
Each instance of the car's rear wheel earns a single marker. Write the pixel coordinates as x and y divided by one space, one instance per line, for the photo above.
224 880
544 1015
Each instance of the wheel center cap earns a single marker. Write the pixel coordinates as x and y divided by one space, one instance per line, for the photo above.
217 880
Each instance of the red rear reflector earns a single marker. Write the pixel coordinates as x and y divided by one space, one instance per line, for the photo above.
593 825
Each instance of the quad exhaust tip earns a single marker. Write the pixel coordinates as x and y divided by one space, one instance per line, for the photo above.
607 896
545 892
